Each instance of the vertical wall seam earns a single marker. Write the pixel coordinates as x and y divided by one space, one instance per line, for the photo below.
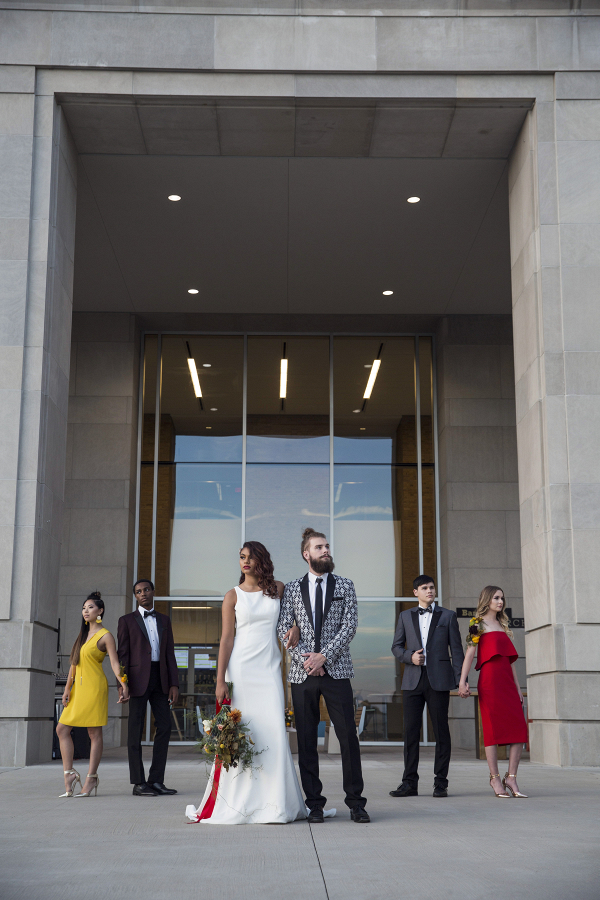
156 455
138 485
565 405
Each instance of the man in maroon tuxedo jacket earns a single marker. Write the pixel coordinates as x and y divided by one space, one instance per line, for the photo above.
147 652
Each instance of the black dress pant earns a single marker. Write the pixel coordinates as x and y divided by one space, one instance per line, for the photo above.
159 703
337 693
437 705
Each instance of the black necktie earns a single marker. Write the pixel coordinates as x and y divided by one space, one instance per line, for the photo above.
318 614
422 610
151 613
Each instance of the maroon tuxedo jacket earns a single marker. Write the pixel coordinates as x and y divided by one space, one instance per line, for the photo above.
136 655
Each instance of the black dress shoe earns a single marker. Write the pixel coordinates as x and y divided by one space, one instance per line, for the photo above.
161 789
144 790
359 814
315 815
404 790
440 792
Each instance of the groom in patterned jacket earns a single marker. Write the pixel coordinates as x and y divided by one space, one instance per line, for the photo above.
324 608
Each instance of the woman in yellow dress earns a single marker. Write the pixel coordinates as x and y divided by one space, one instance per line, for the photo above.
85 699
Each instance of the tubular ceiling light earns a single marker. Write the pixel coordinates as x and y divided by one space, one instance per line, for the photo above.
193 291
206 365
174 197
214 409
356 410
413 200
371 381
194 607
195 379
283 379
387 293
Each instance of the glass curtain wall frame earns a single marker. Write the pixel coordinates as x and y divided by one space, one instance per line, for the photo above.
296 447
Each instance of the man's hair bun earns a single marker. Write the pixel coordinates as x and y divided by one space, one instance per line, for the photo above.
307 534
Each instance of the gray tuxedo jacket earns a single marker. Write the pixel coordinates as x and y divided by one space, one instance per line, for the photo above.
445 654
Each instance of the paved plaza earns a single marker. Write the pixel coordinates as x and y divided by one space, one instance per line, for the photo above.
469 846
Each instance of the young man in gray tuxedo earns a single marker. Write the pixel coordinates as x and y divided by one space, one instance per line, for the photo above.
426 636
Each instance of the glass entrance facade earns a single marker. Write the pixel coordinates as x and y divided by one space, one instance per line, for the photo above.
255 437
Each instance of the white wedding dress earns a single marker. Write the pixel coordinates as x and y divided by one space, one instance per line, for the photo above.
272 794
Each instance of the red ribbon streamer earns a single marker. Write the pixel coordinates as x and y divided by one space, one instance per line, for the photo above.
207 809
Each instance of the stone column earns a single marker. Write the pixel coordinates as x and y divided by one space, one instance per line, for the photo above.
37 207
99 517
479 506
554 184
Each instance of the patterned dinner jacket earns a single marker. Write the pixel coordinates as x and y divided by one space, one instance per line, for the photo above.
340 620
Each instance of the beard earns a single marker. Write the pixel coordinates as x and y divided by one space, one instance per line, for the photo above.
322 566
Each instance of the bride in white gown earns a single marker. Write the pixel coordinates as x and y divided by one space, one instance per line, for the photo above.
252 661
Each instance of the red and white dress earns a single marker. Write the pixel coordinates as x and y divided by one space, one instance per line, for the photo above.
272 794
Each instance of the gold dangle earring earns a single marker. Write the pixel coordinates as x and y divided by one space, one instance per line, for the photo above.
98 619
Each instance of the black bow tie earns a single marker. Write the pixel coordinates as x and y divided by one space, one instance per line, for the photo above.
151 613
423 610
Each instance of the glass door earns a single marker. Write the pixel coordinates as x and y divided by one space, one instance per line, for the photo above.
259 436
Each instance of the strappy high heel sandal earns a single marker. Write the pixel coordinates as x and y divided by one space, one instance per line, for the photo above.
500 796
77 778
516 794
94 789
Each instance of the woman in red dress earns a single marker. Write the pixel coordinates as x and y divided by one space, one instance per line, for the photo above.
500 697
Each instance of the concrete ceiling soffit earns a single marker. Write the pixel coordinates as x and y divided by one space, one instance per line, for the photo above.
484 281
98 280
302 128
269 236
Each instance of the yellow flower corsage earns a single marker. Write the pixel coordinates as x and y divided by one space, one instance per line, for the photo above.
123 675
475 631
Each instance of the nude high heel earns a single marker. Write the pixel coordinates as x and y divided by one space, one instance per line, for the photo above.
95 788
77 778
500 796
507 787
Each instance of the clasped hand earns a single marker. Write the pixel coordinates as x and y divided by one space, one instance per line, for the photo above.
123 694
314 663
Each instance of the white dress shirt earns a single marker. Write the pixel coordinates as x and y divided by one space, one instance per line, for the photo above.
312 590
152 629
424 623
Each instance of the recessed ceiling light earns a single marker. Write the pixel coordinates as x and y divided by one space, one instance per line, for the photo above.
214 409
387 293
174 197
206 365
413 200
368 365
362 428
356 410
193 291
208 427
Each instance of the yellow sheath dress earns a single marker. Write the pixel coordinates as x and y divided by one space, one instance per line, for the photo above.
88 706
